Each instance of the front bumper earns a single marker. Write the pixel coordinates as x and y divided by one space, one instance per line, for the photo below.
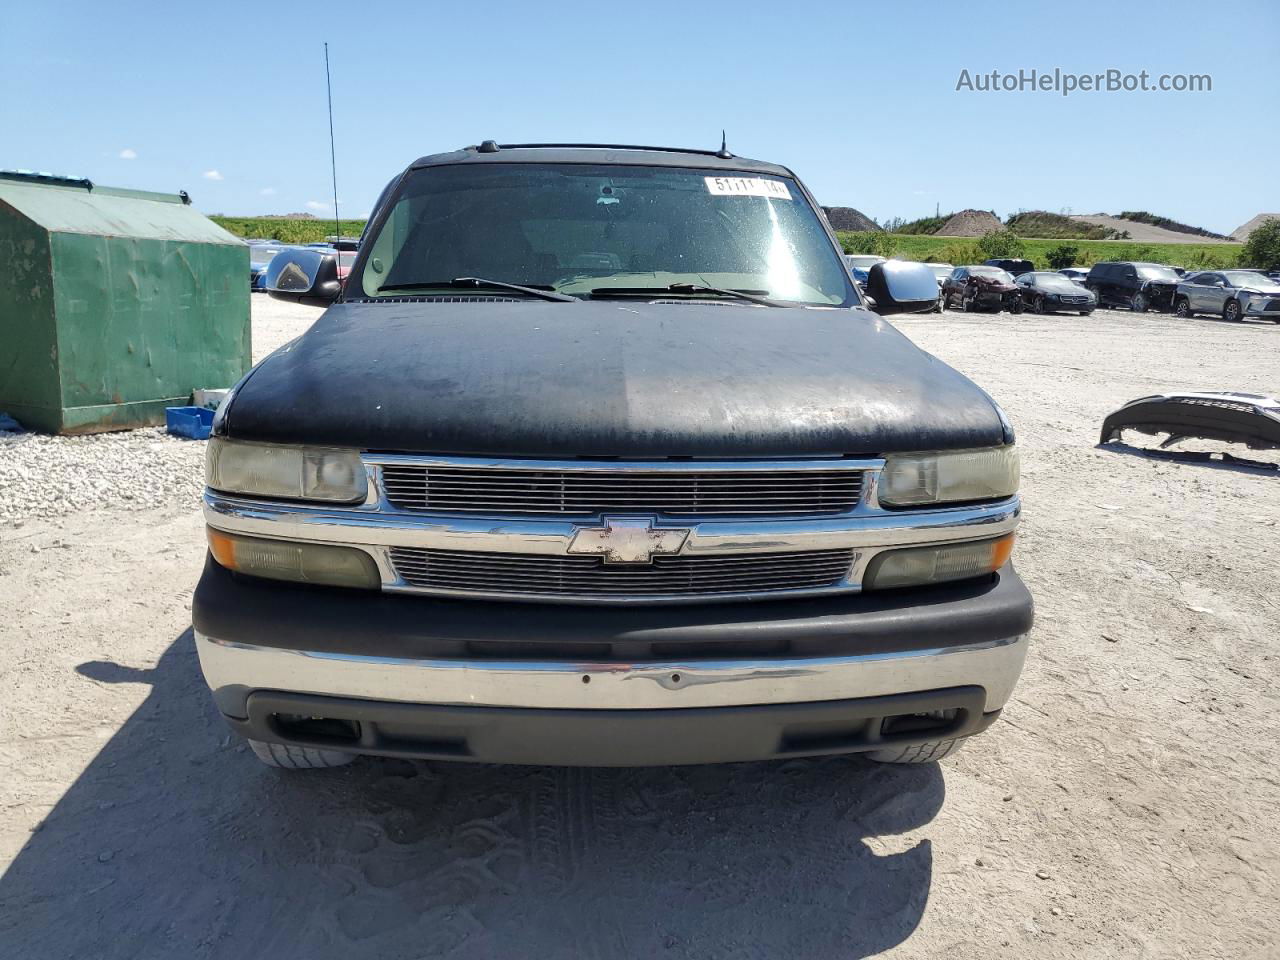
591 686
1256 307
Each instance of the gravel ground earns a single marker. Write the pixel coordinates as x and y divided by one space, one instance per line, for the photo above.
43 476
1123 806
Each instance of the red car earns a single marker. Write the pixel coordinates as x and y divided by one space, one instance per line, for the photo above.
979 287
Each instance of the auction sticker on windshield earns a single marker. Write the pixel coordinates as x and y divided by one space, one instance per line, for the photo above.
747 187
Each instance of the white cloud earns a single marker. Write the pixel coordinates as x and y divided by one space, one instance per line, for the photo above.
316 205
127 154
268 191
212 175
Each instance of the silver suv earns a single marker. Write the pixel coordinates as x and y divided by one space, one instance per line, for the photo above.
1235 294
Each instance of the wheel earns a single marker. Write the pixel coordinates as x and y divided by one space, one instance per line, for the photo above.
1138 304
1097 294
298 758
917 752
968 304
1182 308
1232 311
1038 304
942 304
1016 306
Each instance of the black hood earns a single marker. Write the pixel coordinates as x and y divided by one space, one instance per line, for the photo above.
609 378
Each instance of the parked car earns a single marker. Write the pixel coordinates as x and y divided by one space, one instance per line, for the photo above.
1047 292
941 271
568 482
1235 294
1138 286
862 261
1014 267
260 257
981 287
1078 274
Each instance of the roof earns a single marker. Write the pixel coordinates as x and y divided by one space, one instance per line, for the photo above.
629 154
66 205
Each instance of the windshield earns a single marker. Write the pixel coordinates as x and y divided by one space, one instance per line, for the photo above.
1153 271
1055 282
991 273
260 256
864 260
1248 278
575 228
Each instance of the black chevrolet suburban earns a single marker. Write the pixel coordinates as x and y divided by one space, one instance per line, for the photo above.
599 457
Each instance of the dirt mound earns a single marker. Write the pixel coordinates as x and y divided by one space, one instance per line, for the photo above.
1142 231
970 223
847 218
1241 233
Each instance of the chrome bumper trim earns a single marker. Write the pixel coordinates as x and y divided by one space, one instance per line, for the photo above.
393 528
993 665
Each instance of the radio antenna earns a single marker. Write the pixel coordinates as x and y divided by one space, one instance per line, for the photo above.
724 150
333 157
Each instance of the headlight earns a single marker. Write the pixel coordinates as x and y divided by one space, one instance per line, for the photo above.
276 470
913 479
316 563
919 566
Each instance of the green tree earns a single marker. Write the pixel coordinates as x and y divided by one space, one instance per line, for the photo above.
1000 244
1262 249
1063 255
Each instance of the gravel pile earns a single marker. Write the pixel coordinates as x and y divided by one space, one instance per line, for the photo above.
43 476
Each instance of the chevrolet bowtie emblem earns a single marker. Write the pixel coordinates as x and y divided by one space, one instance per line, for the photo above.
627 540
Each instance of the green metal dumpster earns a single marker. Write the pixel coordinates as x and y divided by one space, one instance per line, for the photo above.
113 304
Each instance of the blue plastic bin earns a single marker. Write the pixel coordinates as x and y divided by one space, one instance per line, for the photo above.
193 422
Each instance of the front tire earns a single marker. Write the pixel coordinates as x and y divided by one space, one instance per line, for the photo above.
285 757
1182 308
1038 305
1139 302
1232 311
917 752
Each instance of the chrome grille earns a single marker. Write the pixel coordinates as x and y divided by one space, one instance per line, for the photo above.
563 576
585 492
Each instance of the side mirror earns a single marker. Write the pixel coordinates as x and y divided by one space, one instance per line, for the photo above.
304 276
897 286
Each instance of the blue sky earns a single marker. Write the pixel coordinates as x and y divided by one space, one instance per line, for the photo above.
227 100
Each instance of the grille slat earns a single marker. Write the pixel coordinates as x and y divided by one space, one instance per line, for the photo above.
586 492
550 575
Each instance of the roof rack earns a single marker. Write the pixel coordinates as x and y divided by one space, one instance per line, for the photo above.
494 147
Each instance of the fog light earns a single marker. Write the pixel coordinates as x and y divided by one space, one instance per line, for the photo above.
294 561
918 566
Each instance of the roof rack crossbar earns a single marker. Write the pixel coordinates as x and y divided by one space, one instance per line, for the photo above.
605 146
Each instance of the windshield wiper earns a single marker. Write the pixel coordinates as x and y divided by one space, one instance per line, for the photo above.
754 296
479 283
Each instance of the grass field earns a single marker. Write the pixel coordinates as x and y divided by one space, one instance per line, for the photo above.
962 250
287 231
957 250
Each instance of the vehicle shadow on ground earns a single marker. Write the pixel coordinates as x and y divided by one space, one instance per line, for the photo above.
175 842
1214 461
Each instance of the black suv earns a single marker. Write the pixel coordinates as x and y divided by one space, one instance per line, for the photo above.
1138 286
598 457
